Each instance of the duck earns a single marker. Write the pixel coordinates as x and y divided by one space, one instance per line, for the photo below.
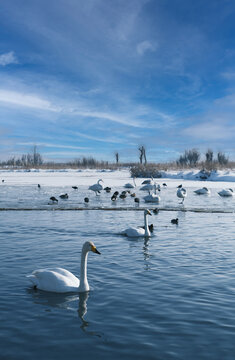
137 200
153 198
202 191
96 187
175 221
53 199
107 189
226 192
114 197
59 280
86 200
129 185
64 196
122 196
139 232
75 187
156 211
181 193
39 186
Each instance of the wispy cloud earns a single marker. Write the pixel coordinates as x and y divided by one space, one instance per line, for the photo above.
102 139
51 145
144 46
26 100
8 58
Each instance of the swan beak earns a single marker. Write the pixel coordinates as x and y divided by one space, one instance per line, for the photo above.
93 248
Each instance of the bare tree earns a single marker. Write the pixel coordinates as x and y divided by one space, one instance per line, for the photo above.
117 157
142 155
209 156
222 159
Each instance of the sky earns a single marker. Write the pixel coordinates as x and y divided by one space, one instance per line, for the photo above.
95 77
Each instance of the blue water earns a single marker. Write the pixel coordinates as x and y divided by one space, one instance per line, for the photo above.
169 297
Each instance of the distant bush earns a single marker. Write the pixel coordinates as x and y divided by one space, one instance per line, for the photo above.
148 170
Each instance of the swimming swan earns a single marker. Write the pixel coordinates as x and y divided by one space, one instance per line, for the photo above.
61 280
129 185
137 232
202 191
153 198
226 192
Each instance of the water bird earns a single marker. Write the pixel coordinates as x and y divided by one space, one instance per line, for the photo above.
139 231
3 180
147 187
181 193
164 184
86 200
153 198
107 189
148 181
122 196
116 193
129 185
53 199
39 186
202 191
96 187
156 211
226 192
137 200
133 195
175 221
64 196
60 280
114 197
75 187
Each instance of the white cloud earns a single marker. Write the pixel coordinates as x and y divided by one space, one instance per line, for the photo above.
54 145
145 46
26 100
8 58
210 131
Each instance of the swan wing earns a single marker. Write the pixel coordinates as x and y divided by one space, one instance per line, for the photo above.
55 280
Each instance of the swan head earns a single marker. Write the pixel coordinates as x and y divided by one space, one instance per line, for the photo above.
90 246
147 212
99 181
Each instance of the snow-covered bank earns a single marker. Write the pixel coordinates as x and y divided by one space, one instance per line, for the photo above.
67 177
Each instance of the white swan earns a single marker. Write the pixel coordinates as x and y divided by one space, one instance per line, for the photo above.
181 193
96 187
226 192
147 187
153 198
129 185
61 280
148 181
202 191
137 232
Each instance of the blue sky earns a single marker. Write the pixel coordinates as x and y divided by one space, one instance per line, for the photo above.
95 77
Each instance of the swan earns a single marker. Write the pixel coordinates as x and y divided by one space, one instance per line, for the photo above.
153 198
226 192
61 280
96 187
202 191
181 193
129 185
148 181
147 187
137 232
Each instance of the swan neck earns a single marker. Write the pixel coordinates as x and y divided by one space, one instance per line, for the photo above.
84 286
146 226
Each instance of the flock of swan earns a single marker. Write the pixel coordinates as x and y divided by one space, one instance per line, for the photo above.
60 280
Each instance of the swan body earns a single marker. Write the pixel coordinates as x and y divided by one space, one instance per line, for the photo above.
61 280
129 185
226 192
181 193
203 191
148 181
153 198
139 232
96 187
147 187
